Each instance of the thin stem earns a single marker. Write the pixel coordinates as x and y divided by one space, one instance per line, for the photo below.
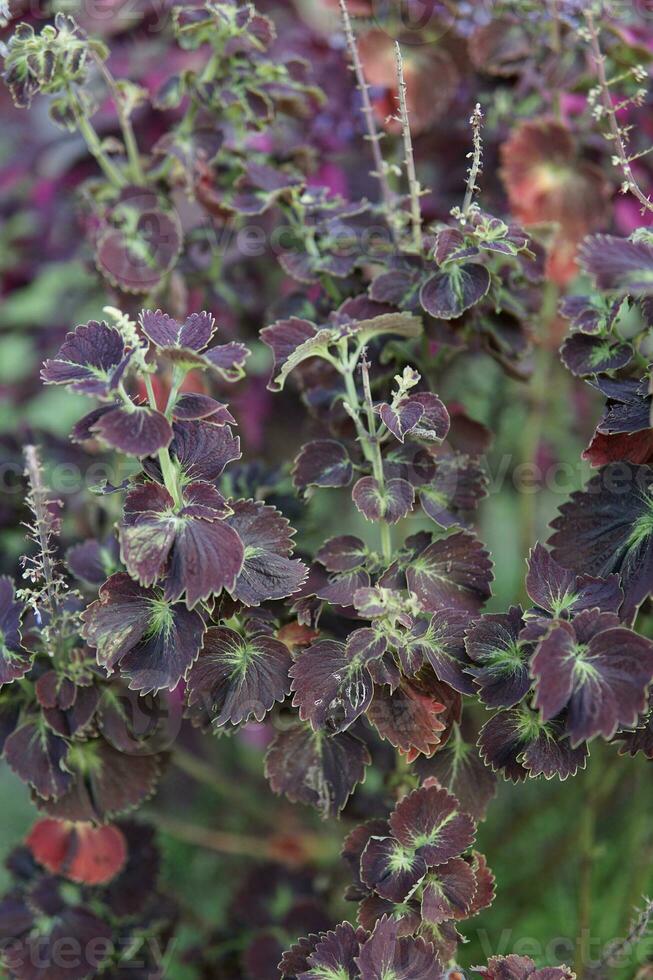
474 172
92 140
368 113
39 501
367 438
165 462
203 772
409 158
215 840
616 133
129 137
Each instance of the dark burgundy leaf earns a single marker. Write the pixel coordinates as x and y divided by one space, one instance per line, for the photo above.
153 641
459 768
333 956
105 783
267 571
518 744
39 756
608 528
237 678
342 554
14 661
322 463
452 572
331 683
309 767
584 355
390 502
390 869
448 892
196 550
618 264
561 592
451 291
91 360
430 821
195 333
402 418
597 669
441 641
386 954
137 431
501 659
407 717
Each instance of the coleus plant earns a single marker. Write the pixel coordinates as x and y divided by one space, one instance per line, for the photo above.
373 639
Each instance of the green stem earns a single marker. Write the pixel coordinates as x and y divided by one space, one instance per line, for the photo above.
369 444
92 140
165 462
129 138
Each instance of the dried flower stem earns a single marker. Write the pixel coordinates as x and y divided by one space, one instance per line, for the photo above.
43 565
409 158
475 170
368 112
617 134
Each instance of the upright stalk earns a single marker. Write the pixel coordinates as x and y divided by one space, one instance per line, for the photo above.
94 144
367 437
409 157
616 135
165 462
373 135
128 135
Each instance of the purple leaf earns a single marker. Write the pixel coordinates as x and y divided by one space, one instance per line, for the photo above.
618 264
516 743
14 661
137 431
459 769
390 502
391 870
597 669
267 571
38 757
334 954
342 554
447 294
322 463
430 821
402 418
584 355
448 892
91 360
452 572
309 768
386 954
197 551
441 641
191 406
283 338
105 783
608 528
195 333
560 592
154 642
331 683
239 678
501 659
